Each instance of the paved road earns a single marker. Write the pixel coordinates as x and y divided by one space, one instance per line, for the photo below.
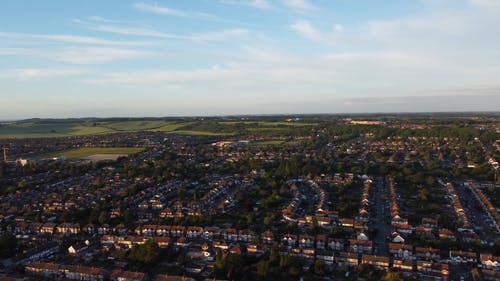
379 225
477 216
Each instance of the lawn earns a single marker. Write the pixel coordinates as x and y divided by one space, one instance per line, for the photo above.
88 151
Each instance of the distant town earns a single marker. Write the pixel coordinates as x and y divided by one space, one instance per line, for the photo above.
305 197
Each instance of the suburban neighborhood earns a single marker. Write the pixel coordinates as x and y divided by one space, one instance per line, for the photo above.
334 200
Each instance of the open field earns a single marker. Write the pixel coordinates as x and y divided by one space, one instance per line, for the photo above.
199 133
36 128
93 152
267 142
73 128
269 123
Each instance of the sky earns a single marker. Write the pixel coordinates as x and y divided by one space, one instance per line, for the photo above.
94 58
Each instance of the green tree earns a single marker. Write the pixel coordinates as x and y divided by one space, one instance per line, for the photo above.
8 244
392 276
147 253
103 218
319 267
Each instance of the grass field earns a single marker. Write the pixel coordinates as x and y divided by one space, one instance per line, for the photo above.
65 128
127 126
89 151
268 142
34 130
171 127
268 123
199 133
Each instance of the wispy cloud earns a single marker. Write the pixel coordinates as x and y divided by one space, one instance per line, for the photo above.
94 55
258 4
307 30
63 38
300 5
486 3
80 55
35 73
221 35
167 11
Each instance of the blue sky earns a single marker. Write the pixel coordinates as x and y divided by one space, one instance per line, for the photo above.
69 58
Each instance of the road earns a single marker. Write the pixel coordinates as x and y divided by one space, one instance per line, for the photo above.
478 217
378 225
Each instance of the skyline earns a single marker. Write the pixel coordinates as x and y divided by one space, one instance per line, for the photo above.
229 57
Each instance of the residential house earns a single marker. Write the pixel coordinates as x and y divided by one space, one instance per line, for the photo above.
336 244
402 251
446 234
267 237
403 265
360 246
490 262
177 231
43 269
246 235
77 248
321 241
347 259
119 275
428 222
85 273
163 230
194 231
289 239
427 253
211 232
164 277
230 234
428 270
380 262
403 228
463 257
48 228
306 241
163 242
327 256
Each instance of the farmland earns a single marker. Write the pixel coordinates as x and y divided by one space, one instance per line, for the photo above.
46 128
90 151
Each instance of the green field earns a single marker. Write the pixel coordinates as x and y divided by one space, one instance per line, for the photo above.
34 130
267 142
199 133
88 151
71 128
38 128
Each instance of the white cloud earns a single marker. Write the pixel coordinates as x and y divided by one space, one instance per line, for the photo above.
307 30
211 75
299 5
486 3
258 4
95 55
221 35
80 55
33 73
167 11
64 38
